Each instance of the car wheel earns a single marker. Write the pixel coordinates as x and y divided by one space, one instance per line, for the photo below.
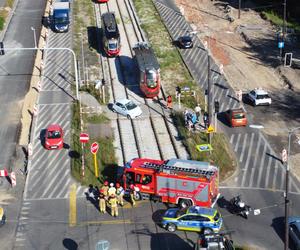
128 117
171 227
207 231
113 110
137 196
183 203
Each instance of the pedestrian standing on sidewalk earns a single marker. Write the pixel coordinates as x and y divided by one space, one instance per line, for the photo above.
198 111
102 202
113 205
169 102
120 194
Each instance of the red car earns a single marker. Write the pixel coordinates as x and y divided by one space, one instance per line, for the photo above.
54 137
236 117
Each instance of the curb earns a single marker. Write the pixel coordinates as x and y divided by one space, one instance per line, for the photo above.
29 109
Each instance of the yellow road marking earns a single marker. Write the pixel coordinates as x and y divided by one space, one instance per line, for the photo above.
72 212
105 222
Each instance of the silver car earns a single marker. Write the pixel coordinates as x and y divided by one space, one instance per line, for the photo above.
127 108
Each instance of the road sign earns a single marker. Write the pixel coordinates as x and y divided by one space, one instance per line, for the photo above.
210 129
13 179
204 147
3 173
284 155
94 148
84 138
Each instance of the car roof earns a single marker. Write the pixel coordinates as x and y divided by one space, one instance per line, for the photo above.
54 127
237 110
260 92
202 210
296 220
186 38
123 101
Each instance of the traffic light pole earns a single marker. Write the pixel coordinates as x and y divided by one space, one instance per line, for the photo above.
74 59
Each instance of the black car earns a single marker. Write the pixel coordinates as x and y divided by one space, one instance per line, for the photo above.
185 42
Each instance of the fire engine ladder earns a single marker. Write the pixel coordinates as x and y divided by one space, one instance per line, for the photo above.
167 169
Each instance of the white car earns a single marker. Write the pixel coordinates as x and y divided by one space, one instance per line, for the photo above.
127 108
259 97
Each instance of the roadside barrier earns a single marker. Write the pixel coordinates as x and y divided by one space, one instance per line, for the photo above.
13 179
35 110
3 173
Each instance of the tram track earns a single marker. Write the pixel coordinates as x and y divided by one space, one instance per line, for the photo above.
150 135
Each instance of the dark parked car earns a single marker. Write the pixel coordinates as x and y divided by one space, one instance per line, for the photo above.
185 42
294 231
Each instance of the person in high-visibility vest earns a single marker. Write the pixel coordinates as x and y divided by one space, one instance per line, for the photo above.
132 192
120 194
105 188
102 202
113 205
169 102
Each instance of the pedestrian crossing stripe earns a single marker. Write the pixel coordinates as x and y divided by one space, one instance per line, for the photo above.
210 129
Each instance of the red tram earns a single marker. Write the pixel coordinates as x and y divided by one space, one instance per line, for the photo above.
148 69
110 34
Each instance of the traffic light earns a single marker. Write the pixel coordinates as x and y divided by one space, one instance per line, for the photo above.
217 106
288 58
2 49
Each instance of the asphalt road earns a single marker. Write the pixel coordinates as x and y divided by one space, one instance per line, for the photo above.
15 74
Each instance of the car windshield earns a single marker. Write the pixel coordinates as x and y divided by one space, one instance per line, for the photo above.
238 116
61 20
217 216
263 96
53 134
180 212
186 39
130 105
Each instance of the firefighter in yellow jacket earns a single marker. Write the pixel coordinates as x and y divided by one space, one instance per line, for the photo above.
113 205
102 202
120 194
105 188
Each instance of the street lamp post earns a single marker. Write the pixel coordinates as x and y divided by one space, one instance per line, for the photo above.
34 37
74 59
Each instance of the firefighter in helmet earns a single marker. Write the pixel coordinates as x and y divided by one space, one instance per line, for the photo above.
105 188
102 202
113 205
111 190
120 194
132 193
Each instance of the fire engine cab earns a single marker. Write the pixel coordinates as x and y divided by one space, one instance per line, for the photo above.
182 182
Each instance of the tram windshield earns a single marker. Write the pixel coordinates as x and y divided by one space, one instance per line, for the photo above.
151 79
130 105
112 45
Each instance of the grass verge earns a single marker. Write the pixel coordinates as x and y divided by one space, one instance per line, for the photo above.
105 157
277 20
174 72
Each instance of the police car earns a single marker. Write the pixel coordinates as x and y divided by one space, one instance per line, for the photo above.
259 97
194 218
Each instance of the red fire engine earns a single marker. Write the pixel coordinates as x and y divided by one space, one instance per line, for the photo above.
149 71
182 182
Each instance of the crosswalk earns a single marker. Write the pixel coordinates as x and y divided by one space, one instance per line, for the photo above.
49 175
259 167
